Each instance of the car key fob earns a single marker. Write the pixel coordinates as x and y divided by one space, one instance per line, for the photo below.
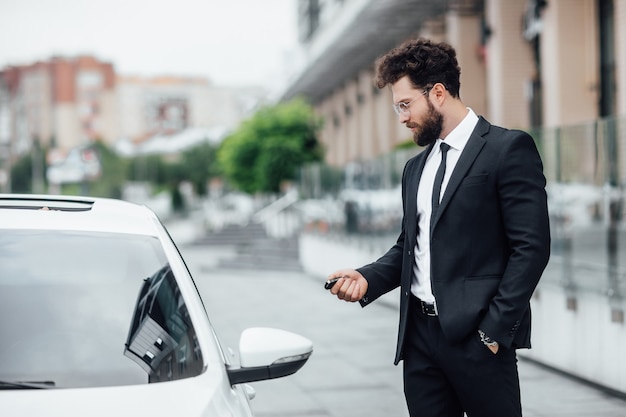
329 284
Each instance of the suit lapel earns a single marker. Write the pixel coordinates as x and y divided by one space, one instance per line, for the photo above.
469 154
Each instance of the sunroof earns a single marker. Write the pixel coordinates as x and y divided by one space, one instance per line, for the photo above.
34 203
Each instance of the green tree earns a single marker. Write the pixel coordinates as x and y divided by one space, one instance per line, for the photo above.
28 173
148 168
198 165
268 148
22 175
114 172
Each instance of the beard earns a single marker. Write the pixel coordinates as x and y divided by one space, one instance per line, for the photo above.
429 129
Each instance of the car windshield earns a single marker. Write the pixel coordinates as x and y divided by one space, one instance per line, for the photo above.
90 309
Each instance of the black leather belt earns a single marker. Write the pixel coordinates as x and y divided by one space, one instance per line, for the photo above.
428 309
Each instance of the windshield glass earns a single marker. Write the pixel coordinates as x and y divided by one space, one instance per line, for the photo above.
91 309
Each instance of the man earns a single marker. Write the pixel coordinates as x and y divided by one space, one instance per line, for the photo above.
469 256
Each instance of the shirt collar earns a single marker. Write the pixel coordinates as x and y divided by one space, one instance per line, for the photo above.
458 137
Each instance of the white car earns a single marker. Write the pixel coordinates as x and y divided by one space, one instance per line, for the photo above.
99 316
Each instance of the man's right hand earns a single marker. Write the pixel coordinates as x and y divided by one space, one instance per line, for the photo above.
351 285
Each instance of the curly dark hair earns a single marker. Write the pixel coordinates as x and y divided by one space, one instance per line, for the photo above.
424 61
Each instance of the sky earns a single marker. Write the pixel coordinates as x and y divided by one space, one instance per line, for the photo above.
230 42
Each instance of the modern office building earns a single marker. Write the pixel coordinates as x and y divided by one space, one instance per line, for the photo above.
525 63
556 68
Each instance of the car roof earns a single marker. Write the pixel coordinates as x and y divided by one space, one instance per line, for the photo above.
76 213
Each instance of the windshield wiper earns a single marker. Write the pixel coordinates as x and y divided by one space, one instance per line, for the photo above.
26 384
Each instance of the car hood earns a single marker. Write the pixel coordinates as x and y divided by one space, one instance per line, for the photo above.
200 396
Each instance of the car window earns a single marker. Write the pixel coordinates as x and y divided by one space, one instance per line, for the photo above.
91 309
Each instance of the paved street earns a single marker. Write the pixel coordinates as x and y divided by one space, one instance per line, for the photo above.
351 372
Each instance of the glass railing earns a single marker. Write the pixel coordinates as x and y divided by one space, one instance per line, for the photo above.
585 166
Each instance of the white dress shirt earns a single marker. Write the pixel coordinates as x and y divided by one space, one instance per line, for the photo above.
457 139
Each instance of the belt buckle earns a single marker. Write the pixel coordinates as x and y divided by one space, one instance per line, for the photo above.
428 311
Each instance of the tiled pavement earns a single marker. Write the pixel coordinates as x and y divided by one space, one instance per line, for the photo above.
351 372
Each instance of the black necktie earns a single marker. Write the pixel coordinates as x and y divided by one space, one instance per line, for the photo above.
438 181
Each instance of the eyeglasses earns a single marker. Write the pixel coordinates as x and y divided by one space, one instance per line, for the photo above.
404 107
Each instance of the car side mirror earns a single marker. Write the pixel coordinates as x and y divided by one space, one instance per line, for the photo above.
267 353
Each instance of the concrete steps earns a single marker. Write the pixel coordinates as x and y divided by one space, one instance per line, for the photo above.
254 248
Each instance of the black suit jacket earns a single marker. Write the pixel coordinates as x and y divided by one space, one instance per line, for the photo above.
489 245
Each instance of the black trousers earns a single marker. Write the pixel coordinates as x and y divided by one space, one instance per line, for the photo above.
444 380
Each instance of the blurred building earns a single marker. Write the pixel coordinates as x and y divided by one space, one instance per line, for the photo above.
64 104
151 106
525 63
59 103
68 102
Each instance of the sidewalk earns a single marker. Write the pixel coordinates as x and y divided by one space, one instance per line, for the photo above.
351 372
